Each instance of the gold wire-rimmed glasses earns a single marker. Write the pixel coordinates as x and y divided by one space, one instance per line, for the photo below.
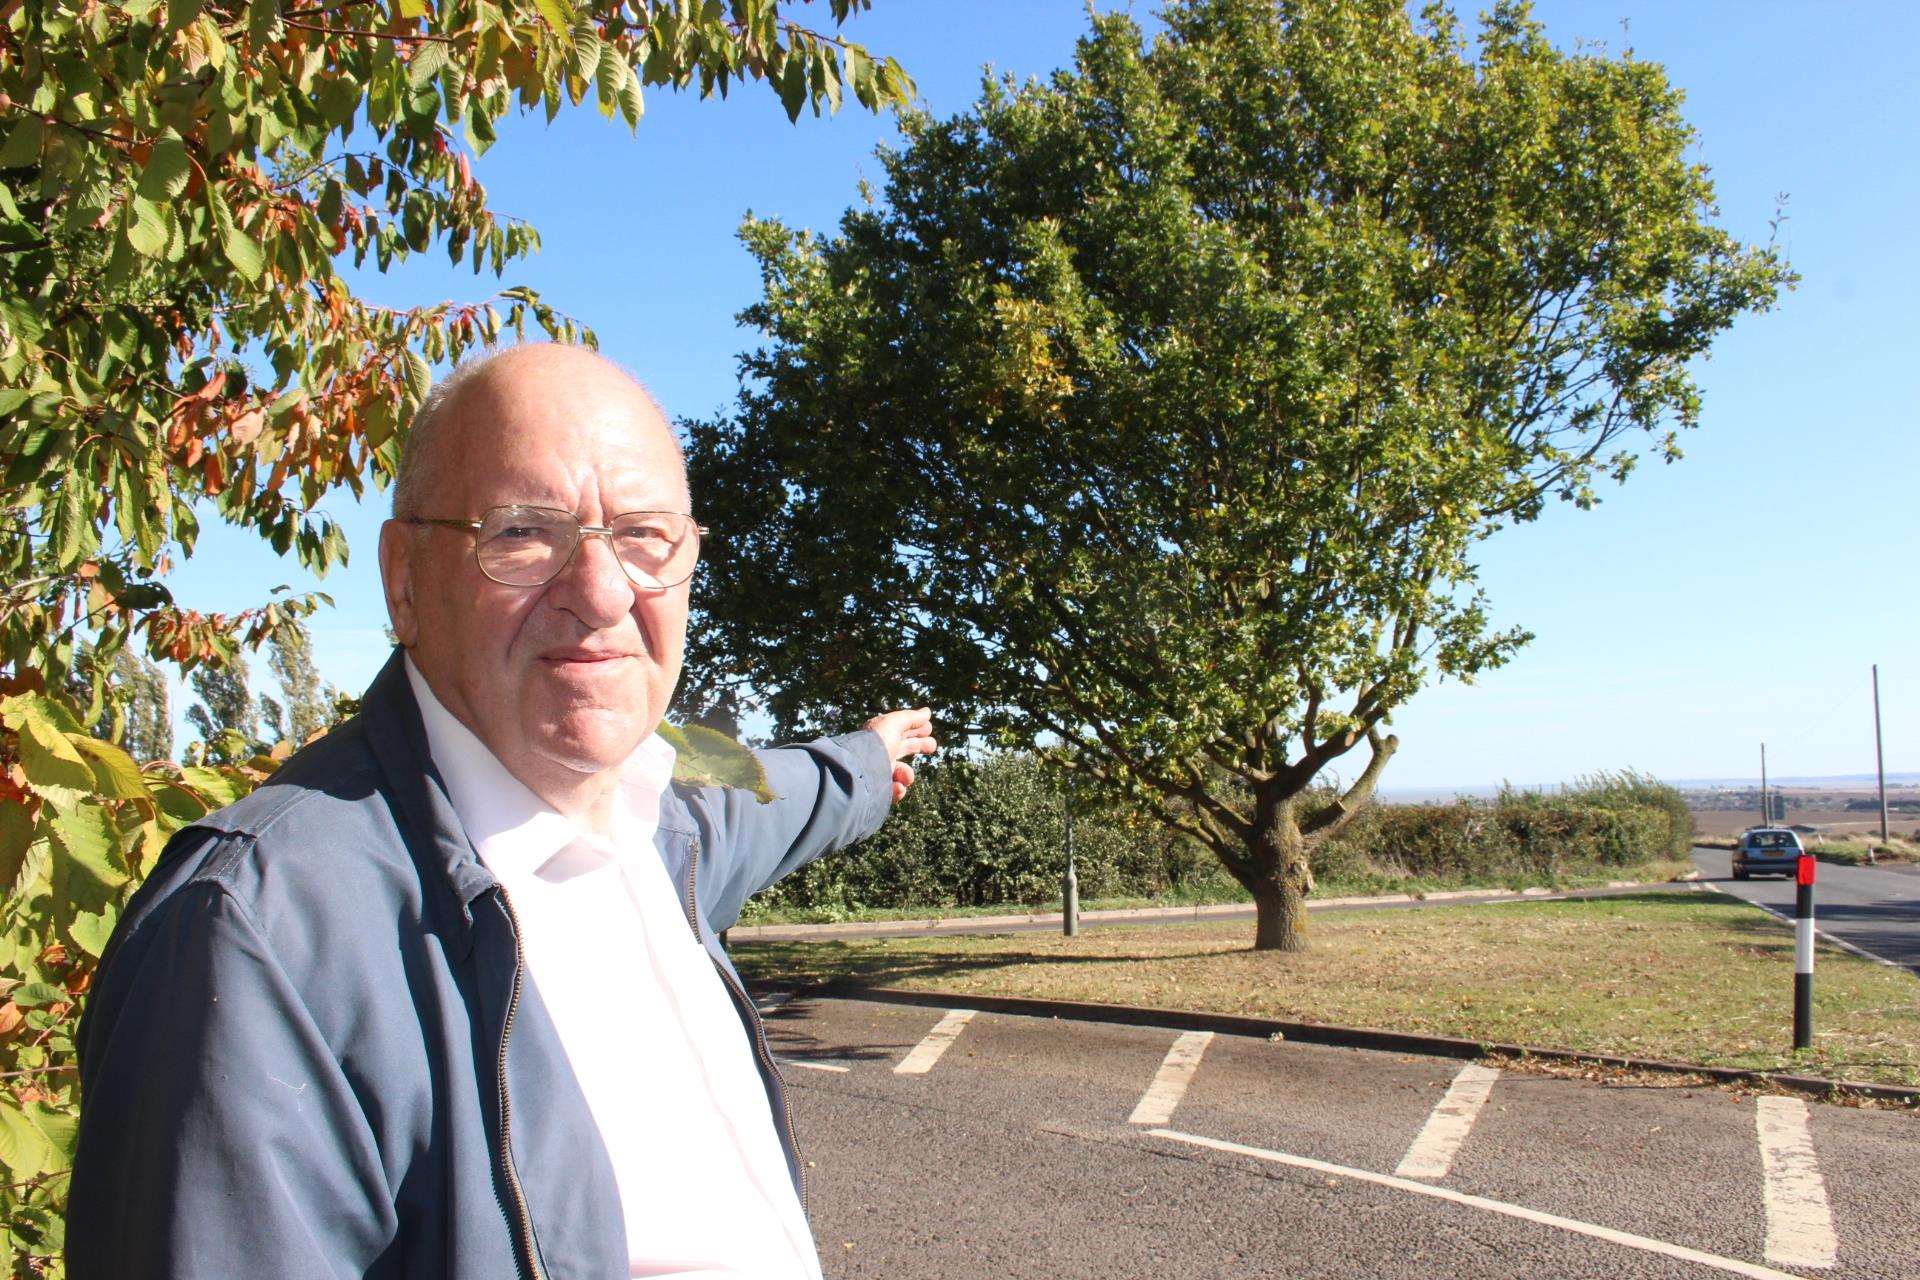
528 546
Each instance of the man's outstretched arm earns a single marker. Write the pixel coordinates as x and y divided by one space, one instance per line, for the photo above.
831 792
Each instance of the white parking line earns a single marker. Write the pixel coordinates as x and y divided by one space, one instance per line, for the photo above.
1627 1238
928 1051
1799 1223
1431 1154
813 1066
1169 1085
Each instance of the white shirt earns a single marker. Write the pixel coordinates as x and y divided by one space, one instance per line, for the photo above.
648 1027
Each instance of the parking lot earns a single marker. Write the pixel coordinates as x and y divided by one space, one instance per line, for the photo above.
953 1143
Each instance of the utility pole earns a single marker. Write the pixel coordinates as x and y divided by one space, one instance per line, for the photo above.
1879 754
1766 816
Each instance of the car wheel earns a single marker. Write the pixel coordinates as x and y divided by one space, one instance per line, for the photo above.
1739 872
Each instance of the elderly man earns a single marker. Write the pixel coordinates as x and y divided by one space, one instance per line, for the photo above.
444 998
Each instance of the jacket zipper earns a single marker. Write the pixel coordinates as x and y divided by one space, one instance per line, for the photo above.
759 1035
523 1221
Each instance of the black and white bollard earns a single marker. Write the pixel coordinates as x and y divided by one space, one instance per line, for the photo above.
1803 954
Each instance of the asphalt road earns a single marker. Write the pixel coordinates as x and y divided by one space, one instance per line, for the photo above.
1016 1153
1875 908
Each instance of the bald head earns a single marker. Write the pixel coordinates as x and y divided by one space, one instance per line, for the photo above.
483 392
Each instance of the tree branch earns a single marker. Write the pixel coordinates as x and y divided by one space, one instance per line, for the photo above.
1326 821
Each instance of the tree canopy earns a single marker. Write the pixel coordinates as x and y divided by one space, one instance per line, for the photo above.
1154 411
183 184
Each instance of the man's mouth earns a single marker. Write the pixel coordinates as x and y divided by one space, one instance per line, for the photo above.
584 655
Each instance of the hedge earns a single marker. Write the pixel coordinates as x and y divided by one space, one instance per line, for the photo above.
992 830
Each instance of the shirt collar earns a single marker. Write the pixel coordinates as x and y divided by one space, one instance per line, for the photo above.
513 830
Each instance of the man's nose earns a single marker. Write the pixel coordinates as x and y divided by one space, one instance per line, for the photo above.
593 586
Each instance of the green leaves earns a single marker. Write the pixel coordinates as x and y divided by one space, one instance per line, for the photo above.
428 61
1161 405
167 170
706 757
419 376
148 227
25 1149
49 760
22 146
244 253
182 189
115 775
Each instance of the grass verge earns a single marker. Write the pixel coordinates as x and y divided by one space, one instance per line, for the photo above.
1212 893
1690 977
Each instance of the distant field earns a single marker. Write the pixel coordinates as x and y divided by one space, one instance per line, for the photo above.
1823 809
1727 822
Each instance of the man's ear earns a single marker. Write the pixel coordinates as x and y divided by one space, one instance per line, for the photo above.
396 580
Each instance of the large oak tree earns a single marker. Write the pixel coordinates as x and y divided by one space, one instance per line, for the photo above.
1154 411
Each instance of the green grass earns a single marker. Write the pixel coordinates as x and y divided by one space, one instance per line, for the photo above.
1214 892
1852 850
1693 978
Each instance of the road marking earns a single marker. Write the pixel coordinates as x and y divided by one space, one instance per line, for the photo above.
1818 932
813 1066
1170 1082
1627 1238
1799 1224
1431 1154
928 1051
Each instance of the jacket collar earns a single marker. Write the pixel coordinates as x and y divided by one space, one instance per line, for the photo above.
398 738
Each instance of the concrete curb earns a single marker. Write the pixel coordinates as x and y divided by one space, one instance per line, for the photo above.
1346 1037
969 924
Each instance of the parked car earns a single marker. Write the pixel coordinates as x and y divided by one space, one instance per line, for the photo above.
1766 851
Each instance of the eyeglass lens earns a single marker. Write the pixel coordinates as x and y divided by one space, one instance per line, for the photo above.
528 546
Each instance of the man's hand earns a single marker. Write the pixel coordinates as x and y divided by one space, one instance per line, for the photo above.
907 734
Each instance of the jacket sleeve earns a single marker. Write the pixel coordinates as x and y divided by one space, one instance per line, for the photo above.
831 793
218 1137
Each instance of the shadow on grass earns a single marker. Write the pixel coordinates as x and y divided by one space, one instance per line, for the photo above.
823 961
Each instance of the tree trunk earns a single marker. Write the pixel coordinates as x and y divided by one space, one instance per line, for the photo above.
1281 917
1280 879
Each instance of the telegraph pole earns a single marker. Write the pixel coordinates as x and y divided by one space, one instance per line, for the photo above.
1879 754
1766 815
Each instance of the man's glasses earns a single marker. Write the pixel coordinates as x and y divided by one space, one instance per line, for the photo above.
528 546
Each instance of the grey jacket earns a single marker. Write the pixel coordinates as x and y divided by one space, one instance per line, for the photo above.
312 1050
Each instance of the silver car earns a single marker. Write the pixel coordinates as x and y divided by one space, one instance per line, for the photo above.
1766 851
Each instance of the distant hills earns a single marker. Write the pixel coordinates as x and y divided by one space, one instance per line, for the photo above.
1836 782
1839 781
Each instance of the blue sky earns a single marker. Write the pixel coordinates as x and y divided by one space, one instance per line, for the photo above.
1736 596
